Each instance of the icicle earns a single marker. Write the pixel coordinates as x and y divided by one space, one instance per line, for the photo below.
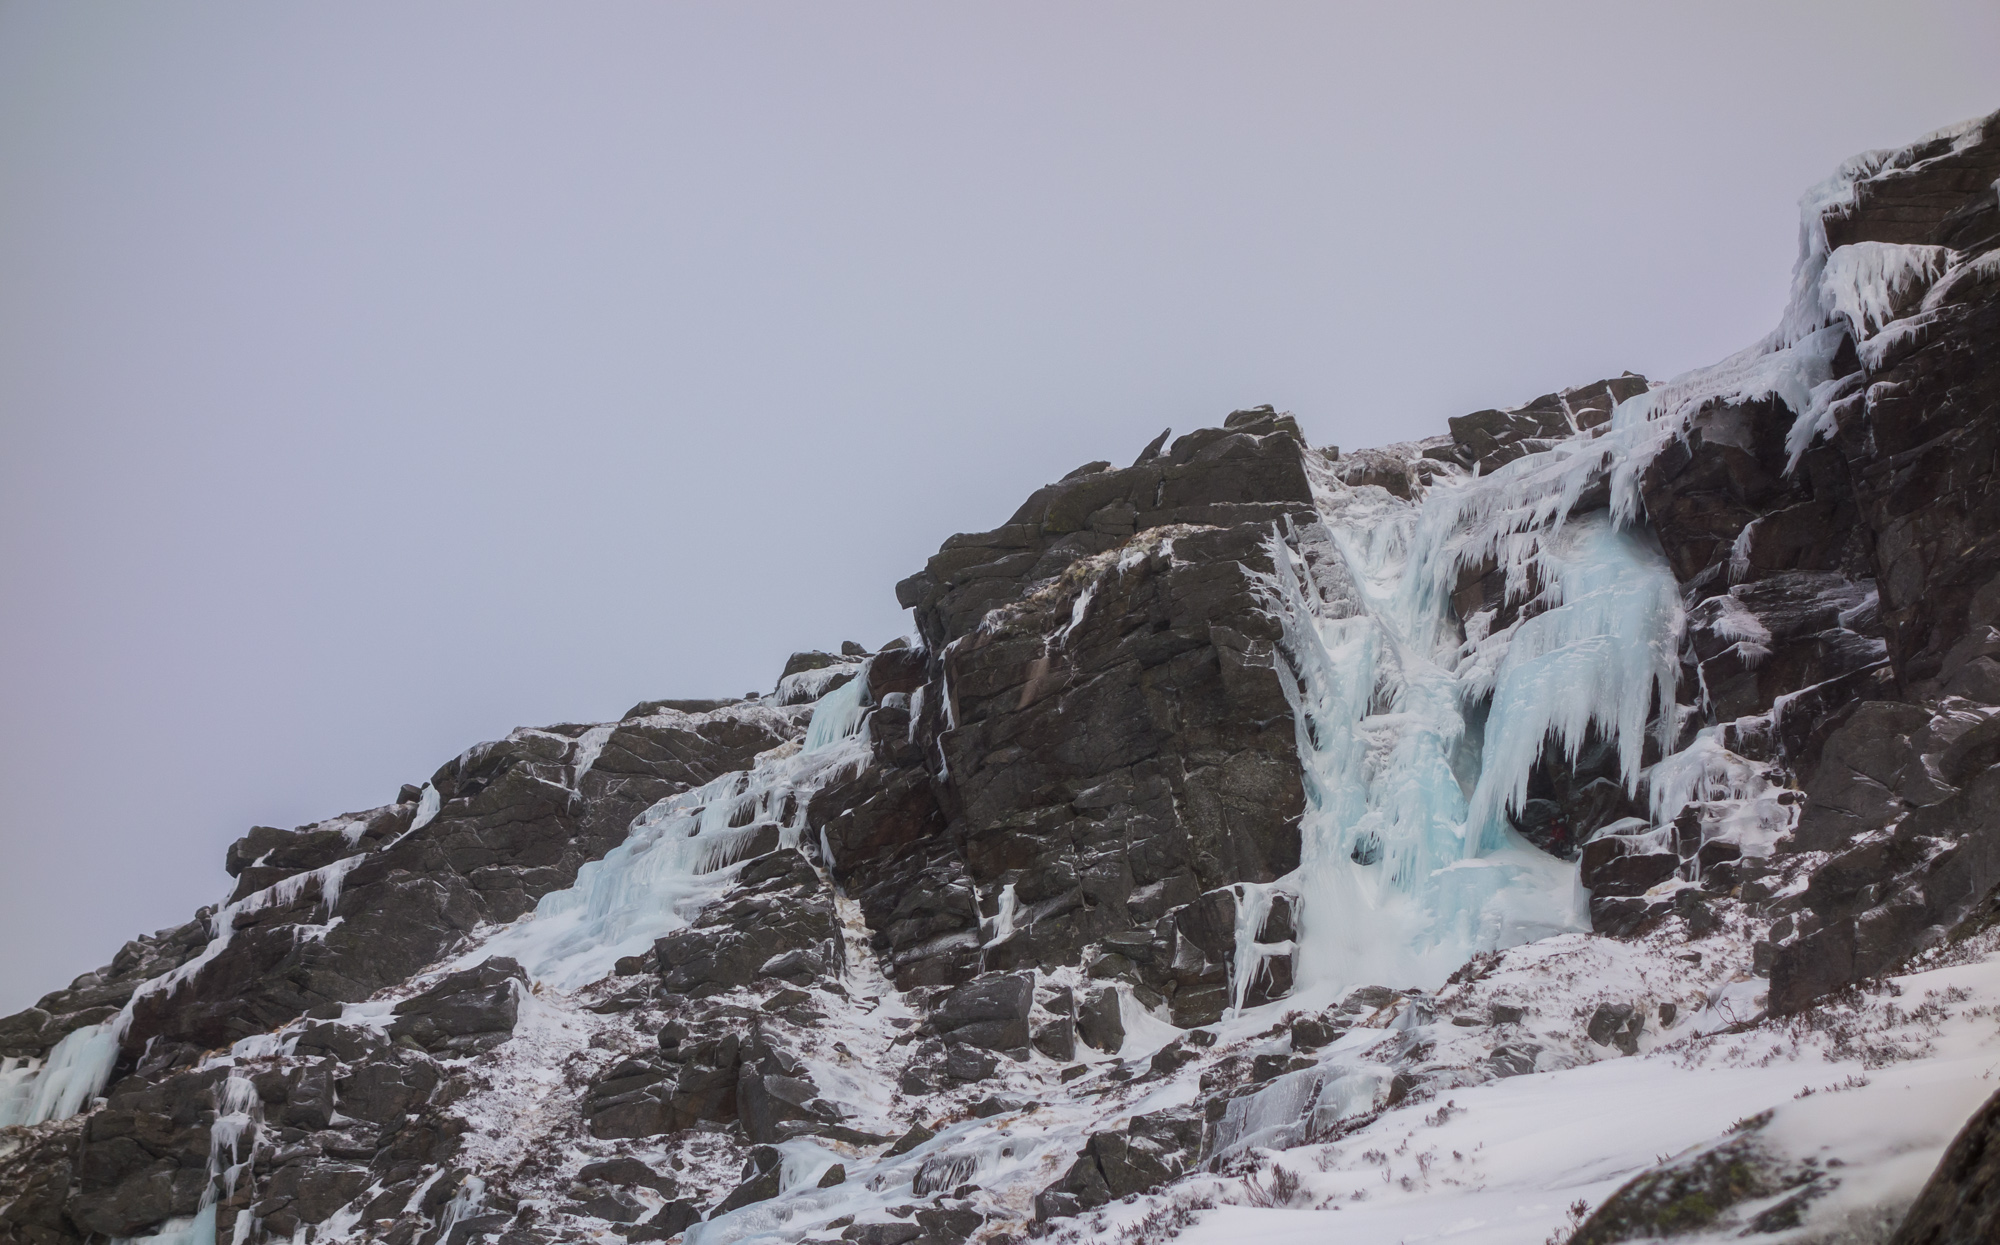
1253 910
427 808
1001 926
589 746
1076 615
470 1196
1608 646
237 1108
838 714
75 1072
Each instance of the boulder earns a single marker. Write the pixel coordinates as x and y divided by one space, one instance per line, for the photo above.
762 1176
466 1013
669 1221
1960 1203
1152 1150
1617 1024
1101 1021
626 1172
991 1014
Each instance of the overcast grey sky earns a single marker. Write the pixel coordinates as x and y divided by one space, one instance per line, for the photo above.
379 377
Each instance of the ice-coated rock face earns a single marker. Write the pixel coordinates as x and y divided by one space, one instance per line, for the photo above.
1249 799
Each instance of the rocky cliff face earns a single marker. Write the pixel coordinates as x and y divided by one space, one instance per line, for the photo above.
1252 800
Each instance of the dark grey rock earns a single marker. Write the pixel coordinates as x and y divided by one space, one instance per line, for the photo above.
1152 1150
669 1221
1100 1022
1617 1024
761 1181
909 1141
614 1205
627 1172
1513 1058
1960 1203
1057 1039
992 1013
465 1013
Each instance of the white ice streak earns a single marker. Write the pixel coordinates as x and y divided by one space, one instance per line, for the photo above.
680 851
80 1064
1000 927
589 746
989 1152
238 1114
1739 795
428 805
1253 910
1077 612
808 686
33 1092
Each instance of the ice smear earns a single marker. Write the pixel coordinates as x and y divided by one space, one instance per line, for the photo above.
995 1152
428 805
808 686
1298 1106
589 746
1739 795
196 1229
238 1116
74 1073
80 1064
679 853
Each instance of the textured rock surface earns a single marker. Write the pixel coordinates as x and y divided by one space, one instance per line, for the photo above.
1960 1205
1102 719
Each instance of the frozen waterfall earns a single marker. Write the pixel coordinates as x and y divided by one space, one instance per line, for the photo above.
1418 735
